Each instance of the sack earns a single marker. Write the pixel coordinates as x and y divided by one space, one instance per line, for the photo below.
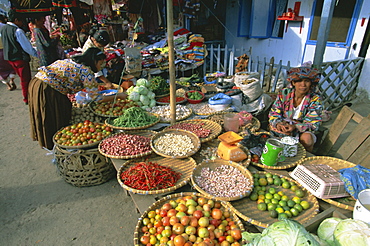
220 98
83 98
251 88
355 179
257 106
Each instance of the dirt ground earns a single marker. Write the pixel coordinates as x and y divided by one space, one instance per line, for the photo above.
37 207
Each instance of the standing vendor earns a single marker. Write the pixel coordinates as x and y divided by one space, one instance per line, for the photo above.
50 108
297 110
98 39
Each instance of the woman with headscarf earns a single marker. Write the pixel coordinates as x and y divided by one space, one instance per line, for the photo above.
297 110
50 108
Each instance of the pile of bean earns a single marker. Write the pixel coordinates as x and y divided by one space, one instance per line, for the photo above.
165 112
174 144
197 129
134 117
125 145
223 181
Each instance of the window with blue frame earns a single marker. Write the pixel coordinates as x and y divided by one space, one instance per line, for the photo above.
340 28
258 18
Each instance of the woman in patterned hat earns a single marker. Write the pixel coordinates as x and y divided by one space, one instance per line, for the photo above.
50 108
297 110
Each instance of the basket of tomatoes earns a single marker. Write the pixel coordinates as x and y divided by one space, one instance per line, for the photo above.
85 134
187 218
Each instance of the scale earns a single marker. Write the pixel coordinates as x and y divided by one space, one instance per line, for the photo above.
228 148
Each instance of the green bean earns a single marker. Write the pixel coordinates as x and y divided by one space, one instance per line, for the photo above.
134 117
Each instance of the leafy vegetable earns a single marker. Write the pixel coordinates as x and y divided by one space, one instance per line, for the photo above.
144 100
134 96
351 232
142 90
283 233
326 229
152 103
151 95
130 90
143 82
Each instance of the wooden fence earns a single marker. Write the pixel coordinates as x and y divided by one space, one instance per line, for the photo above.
337 87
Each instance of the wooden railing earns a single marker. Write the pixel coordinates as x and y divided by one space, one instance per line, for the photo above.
337 87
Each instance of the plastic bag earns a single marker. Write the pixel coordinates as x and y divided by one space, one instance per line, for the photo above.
83 97
220 98
355 179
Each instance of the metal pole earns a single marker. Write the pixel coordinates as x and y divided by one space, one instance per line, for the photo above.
171 60
323 32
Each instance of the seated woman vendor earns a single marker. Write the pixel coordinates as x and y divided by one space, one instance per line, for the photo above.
50 109
297 110
98 39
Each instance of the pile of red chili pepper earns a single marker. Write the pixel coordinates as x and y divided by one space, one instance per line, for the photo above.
149 176
166 99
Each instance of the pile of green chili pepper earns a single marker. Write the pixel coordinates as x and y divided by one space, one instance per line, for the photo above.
149 176
134 117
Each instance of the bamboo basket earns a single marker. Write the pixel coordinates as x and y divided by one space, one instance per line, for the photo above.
158 204
347 203
108 122
194 139
145 133
83 167
247 209
184 166
207 124
215 164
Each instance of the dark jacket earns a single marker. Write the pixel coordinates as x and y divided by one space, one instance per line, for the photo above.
12 49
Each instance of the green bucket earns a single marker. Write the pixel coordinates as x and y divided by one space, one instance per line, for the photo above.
271 152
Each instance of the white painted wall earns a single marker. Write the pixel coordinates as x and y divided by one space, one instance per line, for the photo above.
292 46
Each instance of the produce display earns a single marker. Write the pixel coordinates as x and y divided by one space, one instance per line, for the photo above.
149 176
270 194
107 109
134 117
285 232
123 144
81 114
197 129
202 108
331 232
223 181
159 86
189 220
164 112
174 144
142 94
82 134
166 99
194 95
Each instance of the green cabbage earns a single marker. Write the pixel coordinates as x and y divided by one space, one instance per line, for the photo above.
152 103
151 95
130 90
134 96
285 233
143 82
351 232
142 90
325 231
320 241
144 100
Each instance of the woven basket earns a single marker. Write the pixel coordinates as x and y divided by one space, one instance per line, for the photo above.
254 126
108 123
194 139
83 167
207 124
166 103
213 165
337 164
158 204
145 133
184 166
247 209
